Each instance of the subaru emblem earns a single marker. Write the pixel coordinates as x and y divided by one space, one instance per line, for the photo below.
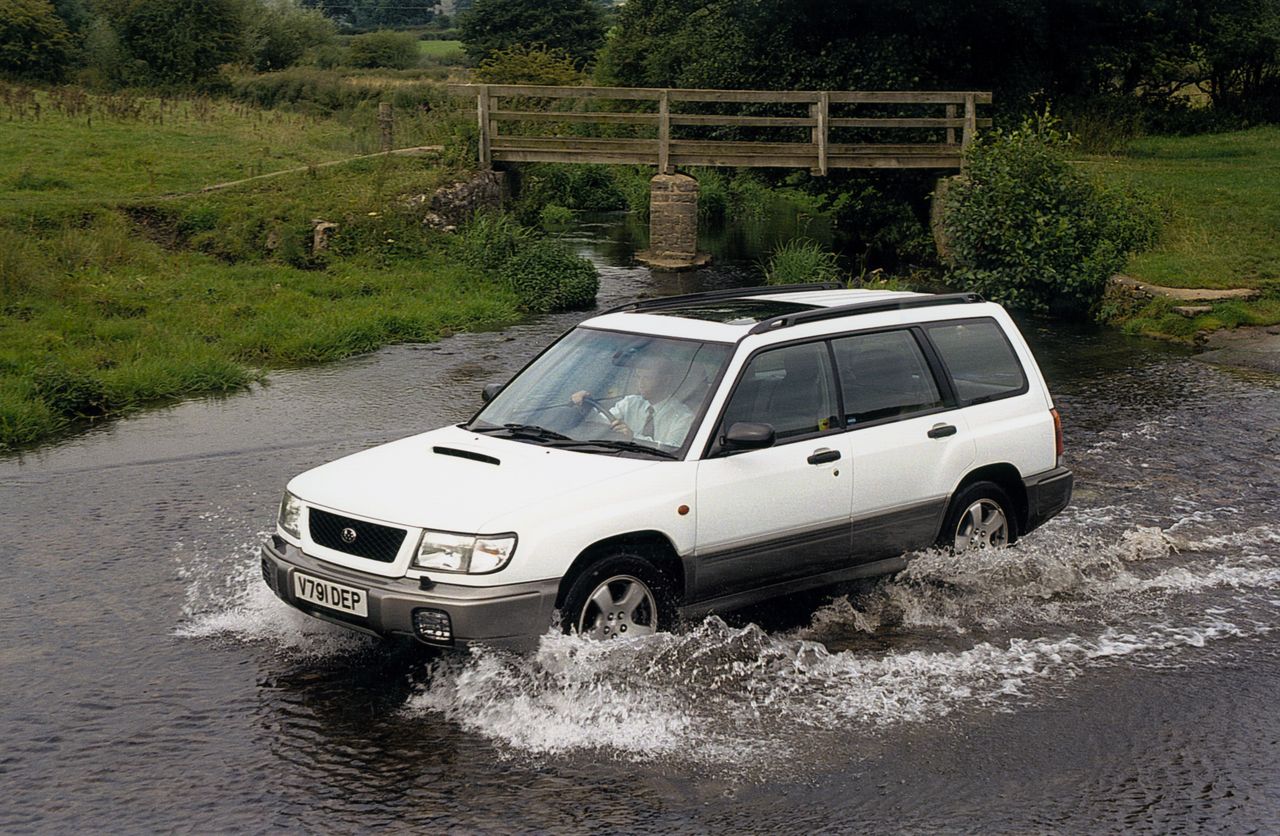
348 535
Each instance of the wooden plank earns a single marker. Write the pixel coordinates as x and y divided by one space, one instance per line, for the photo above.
743 121
747 160
776 96
951 132
569 143
892 149
572 116
549 92
906 97
707 146
943 162
664 134
553 156
970 120
824 104
482 113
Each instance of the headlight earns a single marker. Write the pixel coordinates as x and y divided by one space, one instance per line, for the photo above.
464 552
291 516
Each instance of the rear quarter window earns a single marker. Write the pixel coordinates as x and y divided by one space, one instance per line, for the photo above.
979 358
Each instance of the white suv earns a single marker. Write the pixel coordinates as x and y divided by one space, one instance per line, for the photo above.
685 455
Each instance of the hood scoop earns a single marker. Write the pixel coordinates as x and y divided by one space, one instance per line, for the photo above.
465 454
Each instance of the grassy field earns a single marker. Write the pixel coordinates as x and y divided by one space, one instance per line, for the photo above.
114 296
1222 192
442 52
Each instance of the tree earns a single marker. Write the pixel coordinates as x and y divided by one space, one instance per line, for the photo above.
33 39
280 33
177 42
384 48
572 25
367 14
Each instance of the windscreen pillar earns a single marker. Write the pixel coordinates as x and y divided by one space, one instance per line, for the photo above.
673 224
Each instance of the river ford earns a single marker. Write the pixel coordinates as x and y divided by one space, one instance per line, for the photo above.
1117 669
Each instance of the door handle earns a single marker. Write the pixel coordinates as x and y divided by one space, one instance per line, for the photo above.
824 455
942 431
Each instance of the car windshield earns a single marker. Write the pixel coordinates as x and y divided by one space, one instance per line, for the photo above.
604 391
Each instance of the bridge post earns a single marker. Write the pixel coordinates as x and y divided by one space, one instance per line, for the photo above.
673 224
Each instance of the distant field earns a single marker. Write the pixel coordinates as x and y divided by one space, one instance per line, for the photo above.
444 52
1224 193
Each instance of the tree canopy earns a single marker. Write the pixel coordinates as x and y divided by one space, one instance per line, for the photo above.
574 26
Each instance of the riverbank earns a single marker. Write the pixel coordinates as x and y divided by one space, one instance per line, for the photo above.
1220 191
119 290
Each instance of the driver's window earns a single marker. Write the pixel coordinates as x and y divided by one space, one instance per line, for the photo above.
789 388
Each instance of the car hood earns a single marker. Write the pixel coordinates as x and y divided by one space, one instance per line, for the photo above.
453 479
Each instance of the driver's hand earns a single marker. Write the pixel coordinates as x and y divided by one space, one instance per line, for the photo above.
577 397
620 427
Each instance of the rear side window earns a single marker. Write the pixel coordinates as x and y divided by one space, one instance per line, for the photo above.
979 358
884 375
790 388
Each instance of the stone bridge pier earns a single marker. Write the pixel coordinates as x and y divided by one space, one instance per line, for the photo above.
673 224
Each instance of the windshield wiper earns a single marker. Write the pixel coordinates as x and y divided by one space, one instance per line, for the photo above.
618 444
531 432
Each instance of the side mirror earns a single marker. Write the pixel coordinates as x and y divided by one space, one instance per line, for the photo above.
746 435
490 391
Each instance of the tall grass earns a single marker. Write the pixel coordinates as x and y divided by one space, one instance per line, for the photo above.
801 260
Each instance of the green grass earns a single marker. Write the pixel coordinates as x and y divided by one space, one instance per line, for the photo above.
114 296
1222 194
443 52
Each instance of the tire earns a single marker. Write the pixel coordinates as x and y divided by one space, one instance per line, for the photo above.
981 516
618 596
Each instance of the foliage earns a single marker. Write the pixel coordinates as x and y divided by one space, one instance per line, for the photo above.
1028 230
801 260
281 32
574 26
384 48
546 275
489 239
588 188
555 216
175 43
529 64
371 14
34 41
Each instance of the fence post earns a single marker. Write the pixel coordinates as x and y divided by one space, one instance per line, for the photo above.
824 106
386 122
970 120
951 132
664 133
482 109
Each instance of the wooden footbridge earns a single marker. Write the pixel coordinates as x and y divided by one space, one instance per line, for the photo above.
669 128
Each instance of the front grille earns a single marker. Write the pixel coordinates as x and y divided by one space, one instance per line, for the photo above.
372 541
269 574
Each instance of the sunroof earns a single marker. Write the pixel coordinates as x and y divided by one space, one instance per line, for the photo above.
734 311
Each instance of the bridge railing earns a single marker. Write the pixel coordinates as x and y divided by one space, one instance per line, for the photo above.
531 123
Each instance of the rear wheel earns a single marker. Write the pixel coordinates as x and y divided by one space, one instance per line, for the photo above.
981 516
619 596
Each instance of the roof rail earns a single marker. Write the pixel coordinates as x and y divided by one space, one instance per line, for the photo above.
817 314
710 295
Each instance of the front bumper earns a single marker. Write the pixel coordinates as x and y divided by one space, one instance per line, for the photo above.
1047 494
512 615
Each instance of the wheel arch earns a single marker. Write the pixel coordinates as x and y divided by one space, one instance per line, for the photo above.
1009 479
651 545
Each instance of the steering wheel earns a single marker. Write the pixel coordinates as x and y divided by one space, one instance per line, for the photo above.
596 405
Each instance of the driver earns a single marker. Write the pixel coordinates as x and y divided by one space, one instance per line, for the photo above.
652 414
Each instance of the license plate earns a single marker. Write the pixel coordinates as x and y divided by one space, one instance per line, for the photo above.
335 596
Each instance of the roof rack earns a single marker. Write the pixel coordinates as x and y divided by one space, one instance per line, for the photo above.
817 314
711 295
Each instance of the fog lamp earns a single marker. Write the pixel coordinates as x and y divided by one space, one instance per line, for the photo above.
433 625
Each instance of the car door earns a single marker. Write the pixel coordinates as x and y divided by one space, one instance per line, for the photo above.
910 445
781 512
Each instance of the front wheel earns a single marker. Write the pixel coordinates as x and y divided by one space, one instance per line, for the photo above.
981 516
619 596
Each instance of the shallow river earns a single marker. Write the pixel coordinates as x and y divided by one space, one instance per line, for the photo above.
1120 668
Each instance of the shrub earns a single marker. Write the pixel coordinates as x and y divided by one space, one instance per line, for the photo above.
1028 230
33 39
801 260
384 48
585 188
575 26
281 32
489 239
547 275
177 42
554 216
524 64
